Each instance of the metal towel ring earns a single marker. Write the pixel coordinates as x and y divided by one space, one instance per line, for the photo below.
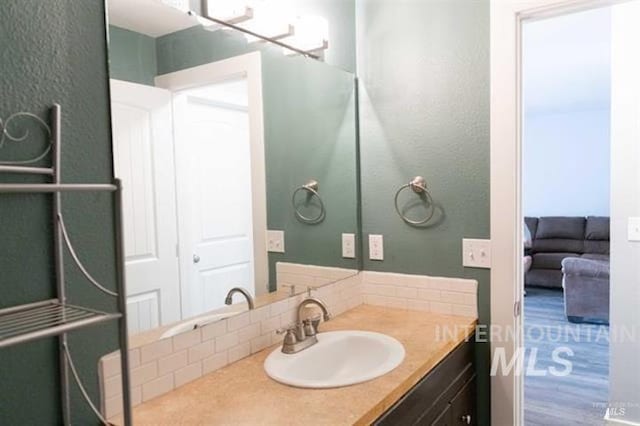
418 185
312 188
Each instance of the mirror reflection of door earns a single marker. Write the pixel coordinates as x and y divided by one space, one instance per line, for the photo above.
215 193
143 160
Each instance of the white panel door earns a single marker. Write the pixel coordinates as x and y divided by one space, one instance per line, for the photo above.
144 161
215 201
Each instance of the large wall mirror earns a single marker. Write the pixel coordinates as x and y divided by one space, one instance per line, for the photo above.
238 159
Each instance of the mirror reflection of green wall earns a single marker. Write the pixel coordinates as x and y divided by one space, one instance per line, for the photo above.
310 133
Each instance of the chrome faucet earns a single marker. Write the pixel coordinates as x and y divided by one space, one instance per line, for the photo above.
229 299
303 333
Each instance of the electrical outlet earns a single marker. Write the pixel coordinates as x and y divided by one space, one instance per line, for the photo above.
634 229
376 247
275 241
348 246
476 253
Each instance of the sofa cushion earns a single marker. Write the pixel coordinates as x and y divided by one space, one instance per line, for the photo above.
558 246
593 256
532 224
550 260
585 268
561 228
544 278
597 228
596 247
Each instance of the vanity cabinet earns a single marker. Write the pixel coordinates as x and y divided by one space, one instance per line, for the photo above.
446 396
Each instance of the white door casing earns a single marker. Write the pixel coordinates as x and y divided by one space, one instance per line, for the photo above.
248 66
143 160
214 188
507 281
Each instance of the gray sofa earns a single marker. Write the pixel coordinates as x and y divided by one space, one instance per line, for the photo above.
557 238
586 289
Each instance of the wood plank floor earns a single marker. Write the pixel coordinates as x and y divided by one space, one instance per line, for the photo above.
579 398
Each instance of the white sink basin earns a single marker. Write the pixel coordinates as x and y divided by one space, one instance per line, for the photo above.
340 358
195 323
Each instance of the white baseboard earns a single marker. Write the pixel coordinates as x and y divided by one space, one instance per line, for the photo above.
618 422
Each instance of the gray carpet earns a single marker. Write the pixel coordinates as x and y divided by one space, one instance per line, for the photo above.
580 397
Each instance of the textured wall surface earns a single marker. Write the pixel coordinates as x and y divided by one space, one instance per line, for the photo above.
132 56
424 110
55 51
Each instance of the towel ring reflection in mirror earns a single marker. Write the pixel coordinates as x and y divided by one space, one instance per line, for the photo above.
311 187
418 185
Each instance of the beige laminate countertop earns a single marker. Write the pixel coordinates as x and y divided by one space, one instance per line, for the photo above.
242 393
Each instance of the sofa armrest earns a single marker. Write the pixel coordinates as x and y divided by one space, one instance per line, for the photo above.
585 268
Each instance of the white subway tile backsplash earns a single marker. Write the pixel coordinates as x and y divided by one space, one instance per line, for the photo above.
186 340
441 308
407 292
427 294
161 366
260 343
270 324
260 314
211 331
188 374
419 305
236 353
110 365
248 333
214 362
238 321
202 350
465 311
172 362
155 350
157 387
113 386
226 341
144 374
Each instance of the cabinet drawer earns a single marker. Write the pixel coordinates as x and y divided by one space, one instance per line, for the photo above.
463 405
428 400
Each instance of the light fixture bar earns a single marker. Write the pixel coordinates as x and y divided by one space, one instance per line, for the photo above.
254 34
323 46
291 31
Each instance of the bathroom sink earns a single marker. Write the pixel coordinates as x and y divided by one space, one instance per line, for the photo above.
183 327
340 358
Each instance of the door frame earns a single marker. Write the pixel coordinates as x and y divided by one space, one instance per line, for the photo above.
507 281
248 66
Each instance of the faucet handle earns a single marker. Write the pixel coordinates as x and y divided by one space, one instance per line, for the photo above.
286 328
290 337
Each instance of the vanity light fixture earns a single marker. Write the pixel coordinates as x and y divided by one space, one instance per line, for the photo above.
259 21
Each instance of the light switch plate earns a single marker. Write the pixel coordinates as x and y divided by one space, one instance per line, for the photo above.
348 246
476 253
376 247
275 241
634 229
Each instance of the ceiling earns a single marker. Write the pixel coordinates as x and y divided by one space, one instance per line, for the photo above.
150 17
567 62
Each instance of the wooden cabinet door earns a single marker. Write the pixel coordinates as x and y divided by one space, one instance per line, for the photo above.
445 418
463 405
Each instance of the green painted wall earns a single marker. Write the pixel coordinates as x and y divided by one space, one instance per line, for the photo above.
310 132
54 51
132 56
424 110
